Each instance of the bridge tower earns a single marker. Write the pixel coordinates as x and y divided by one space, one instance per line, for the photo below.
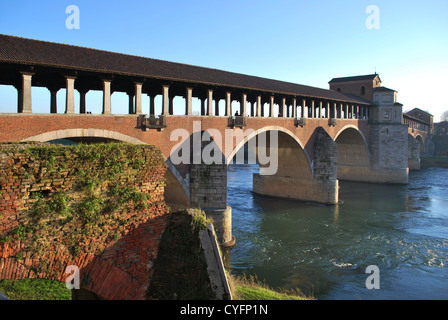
388 138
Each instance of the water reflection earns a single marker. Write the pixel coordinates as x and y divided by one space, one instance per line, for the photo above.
324 250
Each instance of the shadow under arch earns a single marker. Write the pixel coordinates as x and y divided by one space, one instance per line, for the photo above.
353 155
421 143
291 155
177 192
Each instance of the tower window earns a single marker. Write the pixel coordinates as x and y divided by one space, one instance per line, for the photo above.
363 90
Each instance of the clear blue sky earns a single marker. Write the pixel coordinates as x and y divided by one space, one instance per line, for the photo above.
301 41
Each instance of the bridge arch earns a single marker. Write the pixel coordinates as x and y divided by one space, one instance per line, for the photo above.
351 126
291 151
421 143
353 156
84 133
177 193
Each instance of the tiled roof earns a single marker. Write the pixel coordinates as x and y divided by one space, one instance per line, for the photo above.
48 54
355 78
383 89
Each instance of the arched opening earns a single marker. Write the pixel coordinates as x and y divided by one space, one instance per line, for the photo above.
353 160
271 154
421 144
177 194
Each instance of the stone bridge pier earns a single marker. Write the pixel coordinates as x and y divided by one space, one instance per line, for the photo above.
209 193
298 176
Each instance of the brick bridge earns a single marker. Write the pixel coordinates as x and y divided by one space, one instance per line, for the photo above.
318 136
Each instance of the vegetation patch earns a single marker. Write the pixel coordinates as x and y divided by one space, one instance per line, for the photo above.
35 289
250 288
78 198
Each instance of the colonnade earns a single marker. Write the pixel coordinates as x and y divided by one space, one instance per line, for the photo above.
289 106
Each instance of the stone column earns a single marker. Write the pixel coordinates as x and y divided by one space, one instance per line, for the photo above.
283 107
217 107
210 102
165 100
131 97
271 107
189 101
312 113
203 111
294 108
152 104
25 101
70 95
54 100
171 104
258 112
304 114
138 98
107 108
19 98
228 104
243 104
82 101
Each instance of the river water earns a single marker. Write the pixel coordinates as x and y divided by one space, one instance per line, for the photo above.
325 250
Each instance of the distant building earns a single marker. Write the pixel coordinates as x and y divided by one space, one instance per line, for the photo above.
368 87
422 120
360 86
441 138
441 128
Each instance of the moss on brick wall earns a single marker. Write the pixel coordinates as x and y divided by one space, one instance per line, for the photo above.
73 200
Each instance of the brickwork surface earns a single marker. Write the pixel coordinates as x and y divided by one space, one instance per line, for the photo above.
99 207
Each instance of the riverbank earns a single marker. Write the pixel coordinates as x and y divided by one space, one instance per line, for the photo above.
439 162
243 288
250 288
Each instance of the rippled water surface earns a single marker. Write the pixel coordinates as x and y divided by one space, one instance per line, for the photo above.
325 250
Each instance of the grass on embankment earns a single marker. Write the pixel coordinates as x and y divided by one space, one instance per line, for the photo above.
436 161
35 289
244 288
